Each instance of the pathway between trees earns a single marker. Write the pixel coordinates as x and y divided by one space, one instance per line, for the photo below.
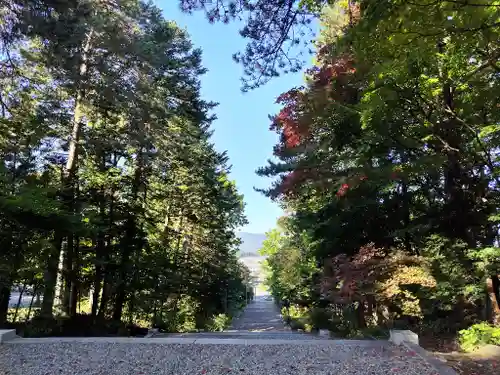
260 315
256 344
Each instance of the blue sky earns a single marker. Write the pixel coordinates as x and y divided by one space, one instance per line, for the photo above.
242 127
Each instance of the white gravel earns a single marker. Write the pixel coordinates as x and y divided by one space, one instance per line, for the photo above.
74 358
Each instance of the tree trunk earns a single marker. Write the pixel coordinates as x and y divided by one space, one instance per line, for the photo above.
31 306
19 300
50 279
493 285
4 303
129 242
100 243
124 266
69 177
97 289
66 280
406 217
106 288
360 312
106 293
72 161
74 277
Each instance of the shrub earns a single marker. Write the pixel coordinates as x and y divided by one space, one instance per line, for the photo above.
479 335
296 324
295 312
186 314
385 277
320 318
375 332
78 326
341 324
219 322
296 317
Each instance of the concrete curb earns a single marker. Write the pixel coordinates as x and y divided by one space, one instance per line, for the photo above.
259 334
7 335
441 367
195 341
152 332
409 340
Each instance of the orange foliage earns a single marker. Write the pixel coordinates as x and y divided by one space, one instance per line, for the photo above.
375 274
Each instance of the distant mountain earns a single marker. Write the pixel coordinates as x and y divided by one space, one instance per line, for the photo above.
251 243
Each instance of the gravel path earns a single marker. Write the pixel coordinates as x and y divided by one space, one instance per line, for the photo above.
192 359
325 357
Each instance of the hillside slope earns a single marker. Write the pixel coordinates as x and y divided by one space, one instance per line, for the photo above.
251 243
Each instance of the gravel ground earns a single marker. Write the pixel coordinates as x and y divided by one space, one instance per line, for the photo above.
192 359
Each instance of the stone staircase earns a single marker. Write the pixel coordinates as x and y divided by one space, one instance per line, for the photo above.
246 335
261 320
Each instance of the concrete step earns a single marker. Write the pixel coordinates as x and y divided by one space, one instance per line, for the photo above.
246 335
7 335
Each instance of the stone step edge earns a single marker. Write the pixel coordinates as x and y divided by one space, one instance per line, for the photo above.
409 340
324 334
7 335
195 341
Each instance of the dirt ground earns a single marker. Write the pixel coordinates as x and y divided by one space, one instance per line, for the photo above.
484 361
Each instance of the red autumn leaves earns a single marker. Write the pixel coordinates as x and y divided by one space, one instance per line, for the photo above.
289 121
338 70
345 278
344 187
396 174
301 107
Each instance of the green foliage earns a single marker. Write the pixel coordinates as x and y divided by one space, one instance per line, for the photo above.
265 55
296 318
219 322
295 312
478 335
186 315
107 162
297 324
321 318
288 271
77 326
388 167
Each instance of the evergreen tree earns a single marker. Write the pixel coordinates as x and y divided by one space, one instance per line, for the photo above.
112 195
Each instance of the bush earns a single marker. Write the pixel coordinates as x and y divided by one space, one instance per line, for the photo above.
182 317
320 318
296 317
219 322
376 332
450 325
295 312
78 326
479 335
297 324
340 327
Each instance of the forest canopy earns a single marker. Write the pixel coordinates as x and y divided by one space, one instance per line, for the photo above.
114 201
388 167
